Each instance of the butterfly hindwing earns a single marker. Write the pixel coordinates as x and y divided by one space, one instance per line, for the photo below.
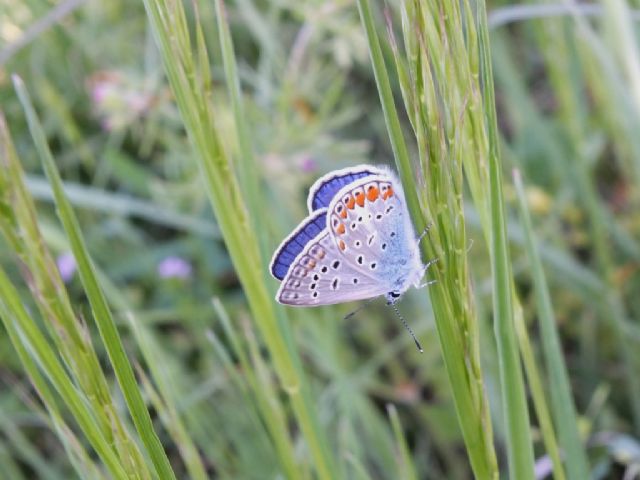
321 275
290 248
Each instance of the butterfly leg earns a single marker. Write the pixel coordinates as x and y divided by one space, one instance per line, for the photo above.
427 265
424 271
425 232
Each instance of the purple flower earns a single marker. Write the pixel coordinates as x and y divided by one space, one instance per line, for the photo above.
308 165
543 467
174 267
66 266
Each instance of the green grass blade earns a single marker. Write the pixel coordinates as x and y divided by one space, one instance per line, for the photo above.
537 393
163 399
24 331
406 468
400 151
459 341
264 394
101 200
101 311
248 169
170 31
560 387
519 444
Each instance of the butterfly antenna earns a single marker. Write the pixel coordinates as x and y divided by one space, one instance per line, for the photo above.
407 327
351 314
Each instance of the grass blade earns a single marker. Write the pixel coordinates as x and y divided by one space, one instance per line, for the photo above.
101 311
519 444
169 26
406 470
24 331
451 294
561 400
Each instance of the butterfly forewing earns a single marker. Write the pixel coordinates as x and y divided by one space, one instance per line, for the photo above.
325 188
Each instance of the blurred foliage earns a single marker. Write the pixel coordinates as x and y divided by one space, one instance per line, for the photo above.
567 93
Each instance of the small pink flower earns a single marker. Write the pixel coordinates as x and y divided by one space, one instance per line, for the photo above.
174 267
66 266
308 165
100 92
138 101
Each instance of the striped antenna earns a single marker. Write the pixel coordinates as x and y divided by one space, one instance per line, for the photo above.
406 326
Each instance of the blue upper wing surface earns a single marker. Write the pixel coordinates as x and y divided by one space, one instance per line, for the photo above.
323 191
291 246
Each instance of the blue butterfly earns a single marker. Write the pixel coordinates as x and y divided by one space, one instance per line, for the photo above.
357 243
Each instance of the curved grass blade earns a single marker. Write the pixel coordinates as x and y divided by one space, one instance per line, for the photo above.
23 331
101 312
187 73
561 400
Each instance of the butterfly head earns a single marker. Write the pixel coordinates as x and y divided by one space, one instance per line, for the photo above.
393 297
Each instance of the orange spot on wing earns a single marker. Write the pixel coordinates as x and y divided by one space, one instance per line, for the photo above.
351 202
343 213
342 245
372 194
340 229
360 198
387 194
311 263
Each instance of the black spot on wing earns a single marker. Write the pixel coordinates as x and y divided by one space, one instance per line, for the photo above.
309 229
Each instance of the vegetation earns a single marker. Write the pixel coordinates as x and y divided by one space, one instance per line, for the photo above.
153 154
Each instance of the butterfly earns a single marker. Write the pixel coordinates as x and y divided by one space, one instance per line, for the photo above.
357 243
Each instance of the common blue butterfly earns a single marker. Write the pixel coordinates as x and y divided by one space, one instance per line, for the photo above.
358 242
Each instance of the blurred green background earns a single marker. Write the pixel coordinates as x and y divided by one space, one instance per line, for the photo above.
567 79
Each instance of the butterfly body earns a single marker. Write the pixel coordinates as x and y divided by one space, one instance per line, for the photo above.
367 247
